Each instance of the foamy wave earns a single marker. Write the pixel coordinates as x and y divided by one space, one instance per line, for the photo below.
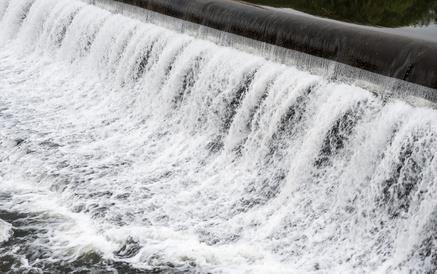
5 231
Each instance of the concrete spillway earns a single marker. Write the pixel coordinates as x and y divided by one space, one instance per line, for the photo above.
389 54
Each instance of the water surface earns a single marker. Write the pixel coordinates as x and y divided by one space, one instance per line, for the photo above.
416 18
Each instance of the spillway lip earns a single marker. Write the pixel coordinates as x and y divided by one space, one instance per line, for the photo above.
377 51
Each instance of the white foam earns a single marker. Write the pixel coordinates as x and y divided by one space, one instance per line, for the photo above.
206 157
5 231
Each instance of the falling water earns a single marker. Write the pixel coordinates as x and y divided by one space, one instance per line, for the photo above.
126 146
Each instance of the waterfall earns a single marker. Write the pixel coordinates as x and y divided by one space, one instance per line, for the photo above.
128 146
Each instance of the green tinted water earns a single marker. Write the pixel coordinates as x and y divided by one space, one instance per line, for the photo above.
382 13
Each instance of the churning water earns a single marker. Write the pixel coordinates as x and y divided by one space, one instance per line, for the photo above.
125 146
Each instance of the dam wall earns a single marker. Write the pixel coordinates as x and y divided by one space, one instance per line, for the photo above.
377 51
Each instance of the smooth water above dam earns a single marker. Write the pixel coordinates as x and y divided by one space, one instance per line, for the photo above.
129 147
412 18
389 13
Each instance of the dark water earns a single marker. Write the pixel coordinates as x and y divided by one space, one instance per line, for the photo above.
392 13
413 18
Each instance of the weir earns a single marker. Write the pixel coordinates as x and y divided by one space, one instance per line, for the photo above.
131 141
329 68
374 50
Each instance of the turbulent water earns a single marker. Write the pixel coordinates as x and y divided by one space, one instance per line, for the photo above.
128 147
